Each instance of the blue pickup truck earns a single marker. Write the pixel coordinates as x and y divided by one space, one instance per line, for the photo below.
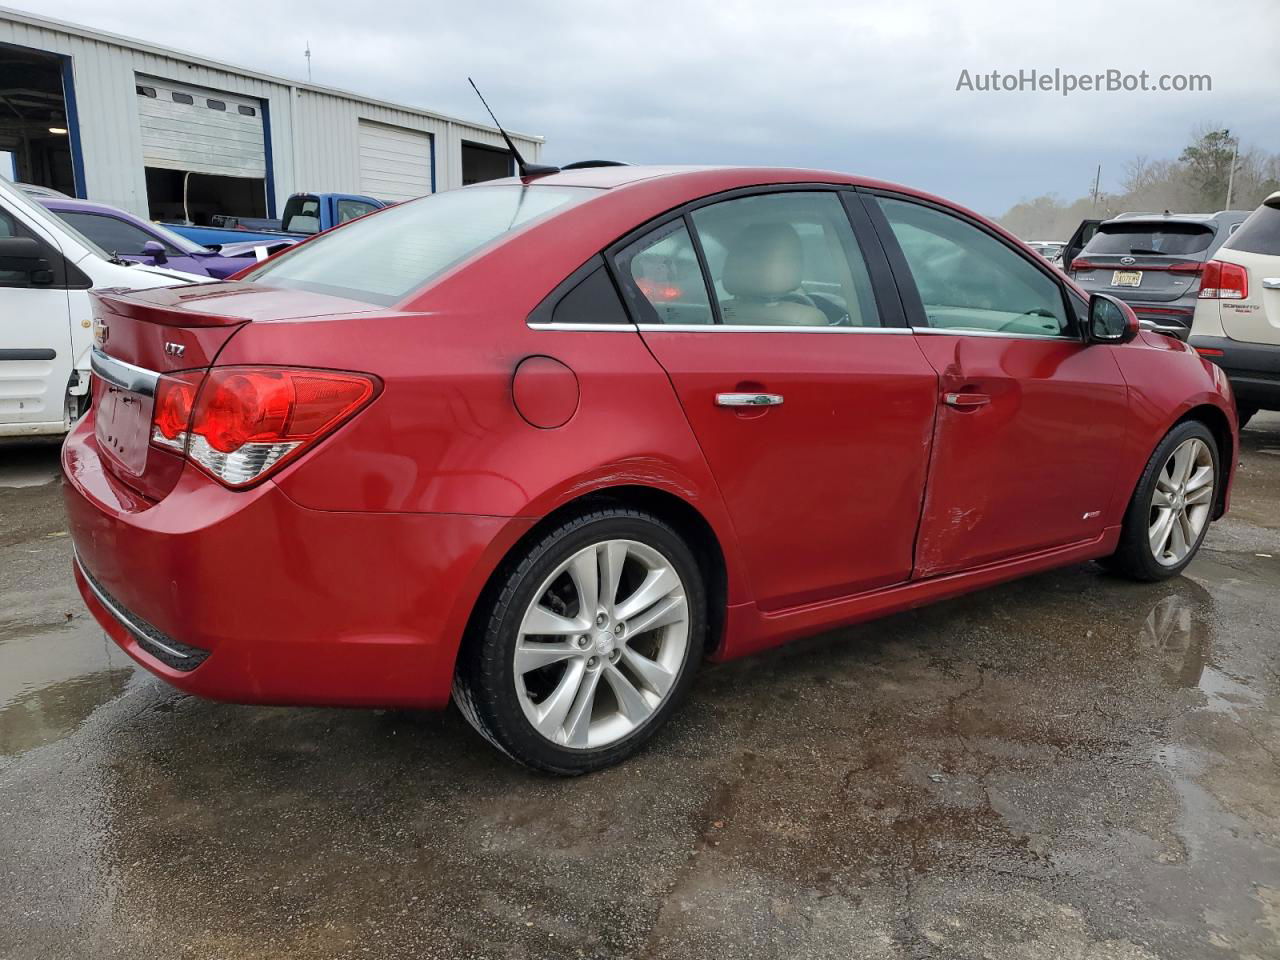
305 214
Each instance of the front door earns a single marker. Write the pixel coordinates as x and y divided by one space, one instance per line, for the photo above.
1031 419
35 344
814 416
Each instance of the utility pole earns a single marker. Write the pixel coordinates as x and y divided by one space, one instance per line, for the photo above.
308 56
1231 174
1097 181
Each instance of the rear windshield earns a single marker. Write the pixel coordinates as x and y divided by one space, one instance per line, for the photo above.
1134 237
1260 233
384 257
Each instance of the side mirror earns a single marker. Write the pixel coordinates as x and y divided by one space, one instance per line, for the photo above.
25 255
1110 320
155 250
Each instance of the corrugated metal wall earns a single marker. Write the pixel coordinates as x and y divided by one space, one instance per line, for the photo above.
313 131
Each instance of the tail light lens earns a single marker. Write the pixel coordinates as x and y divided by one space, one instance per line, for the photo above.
1081 264
241 423
1224 281
1194 268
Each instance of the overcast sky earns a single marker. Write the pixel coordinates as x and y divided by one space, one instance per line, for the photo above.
866 87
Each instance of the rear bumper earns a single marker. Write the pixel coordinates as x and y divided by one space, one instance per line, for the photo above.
252 598
1252 368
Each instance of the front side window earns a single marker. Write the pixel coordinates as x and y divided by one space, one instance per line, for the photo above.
118 236
786 259
969 280
383 259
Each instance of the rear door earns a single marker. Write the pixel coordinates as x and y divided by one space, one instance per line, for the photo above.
35 340
1031 418
809 398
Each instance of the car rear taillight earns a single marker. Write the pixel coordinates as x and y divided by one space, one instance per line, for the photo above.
1210 352
1193 268
240 423
1224 281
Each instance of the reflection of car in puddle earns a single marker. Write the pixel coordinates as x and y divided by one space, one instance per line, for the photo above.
1177 638
1175 635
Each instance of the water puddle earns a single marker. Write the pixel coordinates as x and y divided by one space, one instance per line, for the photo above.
53 678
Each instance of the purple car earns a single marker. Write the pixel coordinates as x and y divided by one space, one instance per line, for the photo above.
132 238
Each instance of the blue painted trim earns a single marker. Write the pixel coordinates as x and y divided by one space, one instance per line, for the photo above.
73 128
266 151
431 138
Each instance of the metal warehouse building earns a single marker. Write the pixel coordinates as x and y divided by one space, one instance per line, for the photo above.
115 120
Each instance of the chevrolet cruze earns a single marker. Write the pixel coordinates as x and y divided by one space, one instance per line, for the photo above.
542 446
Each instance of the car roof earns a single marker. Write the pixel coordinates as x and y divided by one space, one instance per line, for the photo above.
83 206
1156 219
613 177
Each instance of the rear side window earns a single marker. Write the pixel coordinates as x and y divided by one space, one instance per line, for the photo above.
383 259
350 209
786 260
1260 233
665 281
1139 238
594 300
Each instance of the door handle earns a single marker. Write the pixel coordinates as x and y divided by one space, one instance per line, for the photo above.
748 399
965 401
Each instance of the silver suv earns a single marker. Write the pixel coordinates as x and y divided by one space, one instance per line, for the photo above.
1154 262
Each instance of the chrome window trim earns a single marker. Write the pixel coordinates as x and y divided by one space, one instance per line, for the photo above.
592 327
762 328
123 375
123 618
996 333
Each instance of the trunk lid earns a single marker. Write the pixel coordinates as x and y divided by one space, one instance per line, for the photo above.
140 335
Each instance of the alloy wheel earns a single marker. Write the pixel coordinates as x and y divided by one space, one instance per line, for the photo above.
1181 502
602 644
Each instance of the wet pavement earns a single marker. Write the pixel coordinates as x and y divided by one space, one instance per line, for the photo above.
1070 767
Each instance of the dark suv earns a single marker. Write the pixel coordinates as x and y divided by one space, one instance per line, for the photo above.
1155 262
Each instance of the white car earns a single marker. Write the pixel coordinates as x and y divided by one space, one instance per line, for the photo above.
1237 317
46 328
1051 250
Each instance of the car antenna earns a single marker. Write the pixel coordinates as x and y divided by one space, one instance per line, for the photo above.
526 169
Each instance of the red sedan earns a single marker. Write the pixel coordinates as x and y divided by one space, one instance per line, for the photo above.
545 445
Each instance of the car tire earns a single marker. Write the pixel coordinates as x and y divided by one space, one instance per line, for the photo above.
1163 489
620 678
1245 414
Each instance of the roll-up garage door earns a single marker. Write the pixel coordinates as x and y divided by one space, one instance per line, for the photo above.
395 163
200 130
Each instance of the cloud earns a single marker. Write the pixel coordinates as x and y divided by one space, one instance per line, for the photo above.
867 87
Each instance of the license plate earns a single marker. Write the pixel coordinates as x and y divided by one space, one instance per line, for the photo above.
123 427
1126 278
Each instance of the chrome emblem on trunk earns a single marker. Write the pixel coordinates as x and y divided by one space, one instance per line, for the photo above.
1127 260
174 349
